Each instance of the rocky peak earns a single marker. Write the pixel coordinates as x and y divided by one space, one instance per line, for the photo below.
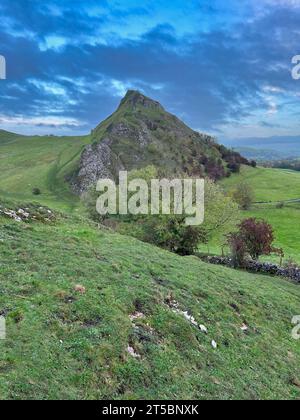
142 133
134 99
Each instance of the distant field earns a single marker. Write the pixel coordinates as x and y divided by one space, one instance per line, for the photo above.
268 184
274 185
39 162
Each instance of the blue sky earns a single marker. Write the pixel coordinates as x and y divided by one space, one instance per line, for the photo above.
223 67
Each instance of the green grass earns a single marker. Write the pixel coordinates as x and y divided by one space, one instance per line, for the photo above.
65 345
268 184
273 185
39 162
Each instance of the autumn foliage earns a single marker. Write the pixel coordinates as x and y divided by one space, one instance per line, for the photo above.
254 237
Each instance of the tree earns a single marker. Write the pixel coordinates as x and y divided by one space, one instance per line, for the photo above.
258 236
243 195
238 249
171 233
254 237
221 212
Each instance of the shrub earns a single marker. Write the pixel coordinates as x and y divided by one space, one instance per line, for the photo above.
280 205
243 195
234 167
258 236
238 249
171 233
255 237
36 191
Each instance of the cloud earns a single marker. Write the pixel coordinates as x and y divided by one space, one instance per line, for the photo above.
72 64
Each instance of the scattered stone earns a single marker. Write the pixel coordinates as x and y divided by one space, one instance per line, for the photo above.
203 329
136 315
190 318
252 266
132 352
214 344
80 289
216 381
244 327
34 213
296 382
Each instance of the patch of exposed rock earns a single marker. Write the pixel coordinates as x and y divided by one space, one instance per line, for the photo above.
97 161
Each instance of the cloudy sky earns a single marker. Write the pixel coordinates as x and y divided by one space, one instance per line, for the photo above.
224 67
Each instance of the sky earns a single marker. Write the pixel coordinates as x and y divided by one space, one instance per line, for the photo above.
224 67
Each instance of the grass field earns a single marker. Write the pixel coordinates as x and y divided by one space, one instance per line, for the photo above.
268 184
39 162
66 345
273 185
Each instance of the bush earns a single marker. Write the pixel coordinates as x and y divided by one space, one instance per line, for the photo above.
238 249
243 195
234 167
258 236
36 191
255 237
171 233
280 205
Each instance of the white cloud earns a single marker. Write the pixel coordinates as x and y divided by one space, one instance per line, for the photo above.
48 121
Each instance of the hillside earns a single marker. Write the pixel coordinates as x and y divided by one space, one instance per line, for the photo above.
141 133
64 344
39 162
123 332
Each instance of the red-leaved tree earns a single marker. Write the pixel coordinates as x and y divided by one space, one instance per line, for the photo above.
254 237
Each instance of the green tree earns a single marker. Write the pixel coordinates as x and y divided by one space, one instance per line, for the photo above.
243 194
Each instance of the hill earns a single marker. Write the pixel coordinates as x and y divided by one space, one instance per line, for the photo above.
39 162
141 133
259 155
278 146
123 334
125 337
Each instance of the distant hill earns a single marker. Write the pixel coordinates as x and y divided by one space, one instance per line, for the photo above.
142 133
267 148
7 137
259 155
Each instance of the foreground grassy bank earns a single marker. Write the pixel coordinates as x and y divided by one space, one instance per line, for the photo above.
65 344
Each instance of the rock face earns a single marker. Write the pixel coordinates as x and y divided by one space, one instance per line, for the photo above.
141 133
98 161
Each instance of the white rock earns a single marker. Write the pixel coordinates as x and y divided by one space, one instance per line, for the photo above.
214 345
132 352
203 328
136 315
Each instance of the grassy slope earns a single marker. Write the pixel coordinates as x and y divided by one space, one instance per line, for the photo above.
274 185
268 184
66 345
42 162
58 349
